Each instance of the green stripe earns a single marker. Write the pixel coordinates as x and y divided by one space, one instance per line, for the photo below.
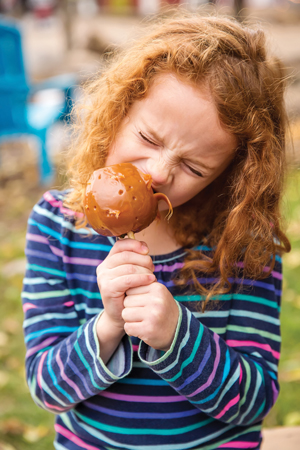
35 267
224 297
85 363
40 280
251 330
191 358
63 240
49 316
218 330
197 298
85 293
48 294
143 431
254 315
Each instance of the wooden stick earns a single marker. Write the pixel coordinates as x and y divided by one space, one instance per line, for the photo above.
130 234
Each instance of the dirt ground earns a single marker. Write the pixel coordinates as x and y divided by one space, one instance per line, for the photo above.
46 54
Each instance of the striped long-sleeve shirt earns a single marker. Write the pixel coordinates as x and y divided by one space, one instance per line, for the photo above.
210 390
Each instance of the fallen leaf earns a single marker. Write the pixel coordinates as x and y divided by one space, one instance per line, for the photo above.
5 446
14 267
13 426
292 419
292 259
12 363
290 375
34 434
11 325
3 339
3 378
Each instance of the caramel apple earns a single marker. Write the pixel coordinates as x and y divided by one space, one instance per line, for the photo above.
119 200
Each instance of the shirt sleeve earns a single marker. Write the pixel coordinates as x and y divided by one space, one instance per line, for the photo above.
231 378
63 358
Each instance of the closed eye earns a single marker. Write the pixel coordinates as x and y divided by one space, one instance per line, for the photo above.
146 139
199 174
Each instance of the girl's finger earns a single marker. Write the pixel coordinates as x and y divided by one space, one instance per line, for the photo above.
128 257
133 295
133 314
133 328
131 245
125 282
127 269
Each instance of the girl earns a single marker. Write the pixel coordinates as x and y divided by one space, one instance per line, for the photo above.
178 350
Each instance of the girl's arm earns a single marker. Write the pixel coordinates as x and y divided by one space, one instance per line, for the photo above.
64 364
232 378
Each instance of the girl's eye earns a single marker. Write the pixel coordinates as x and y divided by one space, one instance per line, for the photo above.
146 139
199 174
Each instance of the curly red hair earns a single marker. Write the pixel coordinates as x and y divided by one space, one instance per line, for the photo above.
239 213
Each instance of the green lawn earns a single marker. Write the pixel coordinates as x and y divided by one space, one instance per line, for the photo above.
25 426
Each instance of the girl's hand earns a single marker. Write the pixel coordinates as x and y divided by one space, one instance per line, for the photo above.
127 266
151 314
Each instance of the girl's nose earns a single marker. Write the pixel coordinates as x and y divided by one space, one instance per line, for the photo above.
160 172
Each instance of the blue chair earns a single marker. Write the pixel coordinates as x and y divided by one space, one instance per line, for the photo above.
19 116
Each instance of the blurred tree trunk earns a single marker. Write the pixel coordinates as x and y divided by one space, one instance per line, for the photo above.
239 5
68 10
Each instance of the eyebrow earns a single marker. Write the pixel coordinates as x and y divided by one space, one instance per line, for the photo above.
197 163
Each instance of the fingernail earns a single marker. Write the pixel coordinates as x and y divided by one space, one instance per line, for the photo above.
145 248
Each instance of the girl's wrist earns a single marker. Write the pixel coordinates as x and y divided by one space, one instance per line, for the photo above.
109 336
109 329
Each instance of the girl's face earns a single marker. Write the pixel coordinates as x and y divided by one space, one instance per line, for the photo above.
174 134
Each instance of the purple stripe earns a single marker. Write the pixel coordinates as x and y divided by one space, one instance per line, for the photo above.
44 344
75 370
81 276
67 379
140 415
37 238
165 268
75 260
199 371
40 254
275 392
212 375
143 398
275 274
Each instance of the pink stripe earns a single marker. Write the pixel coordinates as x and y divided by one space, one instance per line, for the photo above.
266 347
58 203
44 344
67 379
37 238
141 398
58 408
73 438
165 268
212 375
40 368
228 406
241 373
75 260
69 303
135 347
265 269
28 306
238 444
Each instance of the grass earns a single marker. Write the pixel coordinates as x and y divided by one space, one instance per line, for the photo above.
25 426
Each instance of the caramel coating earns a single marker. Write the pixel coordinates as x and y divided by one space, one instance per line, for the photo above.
119 199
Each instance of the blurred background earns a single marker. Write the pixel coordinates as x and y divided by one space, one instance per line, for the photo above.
48 48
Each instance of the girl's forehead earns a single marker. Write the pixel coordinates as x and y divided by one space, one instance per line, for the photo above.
180 115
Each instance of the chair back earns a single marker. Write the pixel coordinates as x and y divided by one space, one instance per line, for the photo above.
13 84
